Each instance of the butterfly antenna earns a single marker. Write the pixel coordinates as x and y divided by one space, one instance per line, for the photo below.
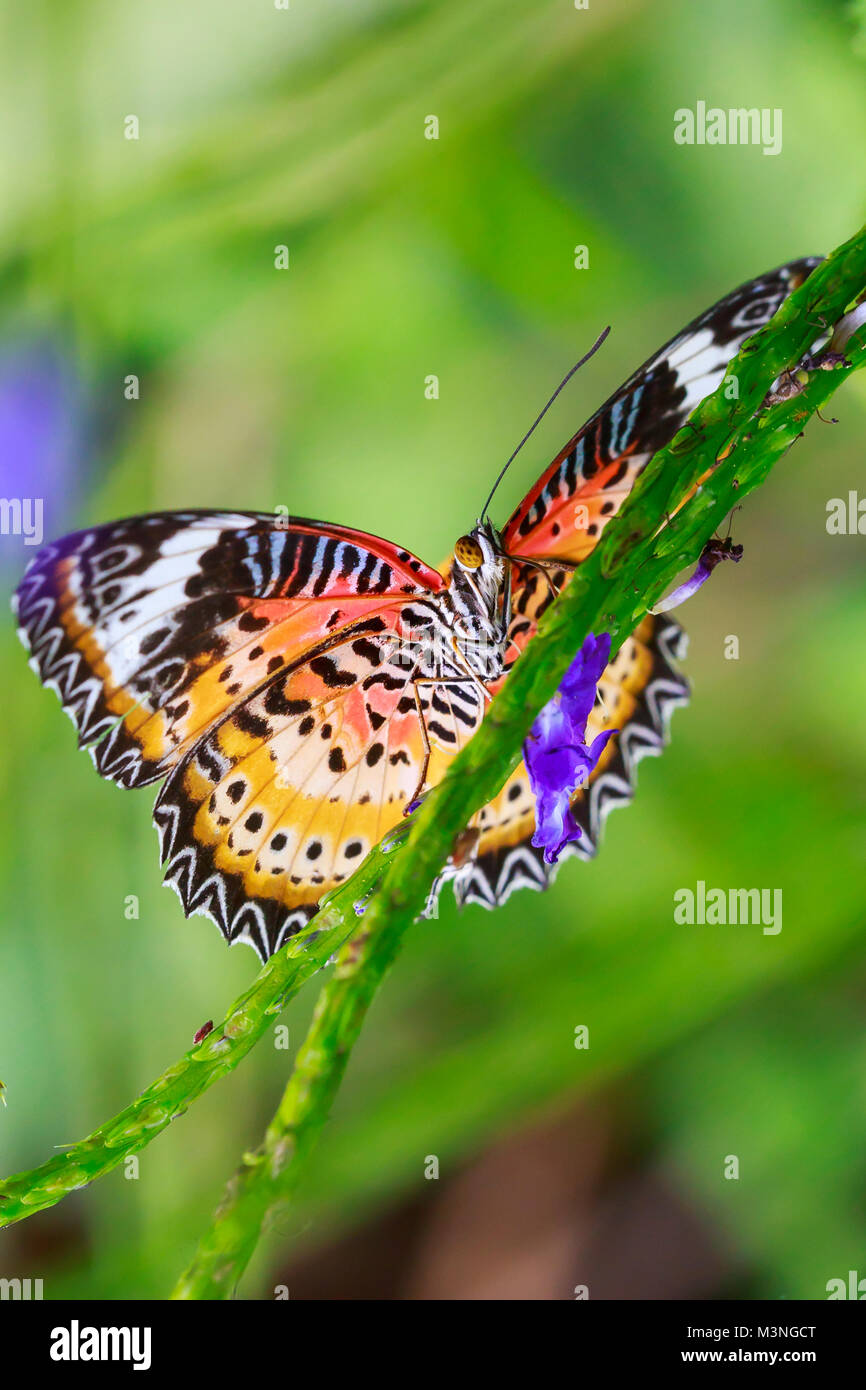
534 426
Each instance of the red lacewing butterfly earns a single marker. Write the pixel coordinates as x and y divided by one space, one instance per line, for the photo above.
294 684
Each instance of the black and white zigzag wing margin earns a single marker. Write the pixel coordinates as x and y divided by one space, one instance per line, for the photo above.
188 868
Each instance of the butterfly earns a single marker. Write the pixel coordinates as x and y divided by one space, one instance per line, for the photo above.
294 684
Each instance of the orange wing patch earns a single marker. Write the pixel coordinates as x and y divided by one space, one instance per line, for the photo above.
571 526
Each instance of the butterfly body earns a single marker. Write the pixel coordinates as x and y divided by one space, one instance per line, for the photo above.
294 684
479 596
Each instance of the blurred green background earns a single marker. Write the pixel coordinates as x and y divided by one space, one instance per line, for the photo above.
305 388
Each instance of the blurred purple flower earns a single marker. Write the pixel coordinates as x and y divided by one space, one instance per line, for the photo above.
40 438
557 758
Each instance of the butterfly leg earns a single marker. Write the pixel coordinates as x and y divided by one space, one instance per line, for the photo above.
543 566
470 679
426 740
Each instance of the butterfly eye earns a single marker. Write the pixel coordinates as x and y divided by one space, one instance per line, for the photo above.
468 553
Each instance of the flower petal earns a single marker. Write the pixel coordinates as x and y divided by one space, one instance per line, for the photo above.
686 589
556 756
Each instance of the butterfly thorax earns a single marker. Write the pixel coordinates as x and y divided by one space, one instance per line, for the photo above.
478 600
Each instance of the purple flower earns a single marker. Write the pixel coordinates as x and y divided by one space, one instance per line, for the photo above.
712 554
40 440
556 756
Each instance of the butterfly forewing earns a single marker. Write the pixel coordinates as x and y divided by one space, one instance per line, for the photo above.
563 515
150 629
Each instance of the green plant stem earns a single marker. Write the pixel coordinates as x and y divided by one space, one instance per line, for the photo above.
170 1095
640 553
622 577
266 1179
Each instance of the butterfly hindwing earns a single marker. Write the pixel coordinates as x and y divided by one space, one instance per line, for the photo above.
638 693
282 799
